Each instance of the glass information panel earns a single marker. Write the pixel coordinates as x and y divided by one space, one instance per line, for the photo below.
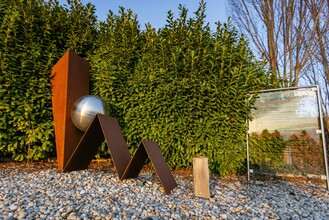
284 133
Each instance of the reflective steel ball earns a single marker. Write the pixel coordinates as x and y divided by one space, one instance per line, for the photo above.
85 109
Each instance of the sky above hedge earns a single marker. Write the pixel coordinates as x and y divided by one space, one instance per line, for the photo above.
155 11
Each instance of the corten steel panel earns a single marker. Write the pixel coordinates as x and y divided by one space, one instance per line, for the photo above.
87 147
101 127
107 127
166 178
136 163
115 142
151 150
70 81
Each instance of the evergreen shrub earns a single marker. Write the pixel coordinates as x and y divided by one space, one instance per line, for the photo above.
183 86
33 36
266 148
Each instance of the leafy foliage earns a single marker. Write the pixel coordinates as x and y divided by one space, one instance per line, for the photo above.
299 154
266 147
307 154
183 86
33 36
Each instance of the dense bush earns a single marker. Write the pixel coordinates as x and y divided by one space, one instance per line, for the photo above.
119 41
184 86
299 154
266 148
307 153
33 36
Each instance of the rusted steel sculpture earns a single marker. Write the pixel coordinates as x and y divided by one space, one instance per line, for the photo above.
75 148
70 81
108 128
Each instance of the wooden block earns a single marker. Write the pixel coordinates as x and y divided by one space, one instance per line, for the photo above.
201 177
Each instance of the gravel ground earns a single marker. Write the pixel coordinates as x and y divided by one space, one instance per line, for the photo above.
30 191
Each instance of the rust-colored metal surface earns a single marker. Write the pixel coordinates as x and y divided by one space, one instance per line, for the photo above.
115 142
101 127
167 179
136 163
85 151
69 81
75 149
151 150
107 127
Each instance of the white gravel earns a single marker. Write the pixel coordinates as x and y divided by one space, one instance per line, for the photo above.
98 194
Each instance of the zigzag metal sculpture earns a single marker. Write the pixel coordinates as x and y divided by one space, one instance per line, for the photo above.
126 167
76 149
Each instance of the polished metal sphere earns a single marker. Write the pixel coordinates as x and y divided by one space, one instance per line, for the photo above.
85 109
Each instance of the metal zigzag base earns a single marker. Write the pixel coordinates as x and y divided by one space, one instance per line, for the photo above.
106 127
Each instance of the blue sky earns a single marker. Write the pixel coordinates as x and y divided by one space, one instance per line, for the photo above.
155 11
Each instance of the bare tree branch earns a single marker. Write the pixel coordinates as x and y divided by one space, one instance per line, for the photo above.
290 28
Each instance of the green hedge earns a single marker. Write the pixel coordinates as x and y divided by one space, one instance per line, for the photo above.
266 148
184 86
33 36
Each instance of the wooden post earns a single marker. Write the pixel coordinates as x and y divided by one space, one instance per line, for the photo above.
201 177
